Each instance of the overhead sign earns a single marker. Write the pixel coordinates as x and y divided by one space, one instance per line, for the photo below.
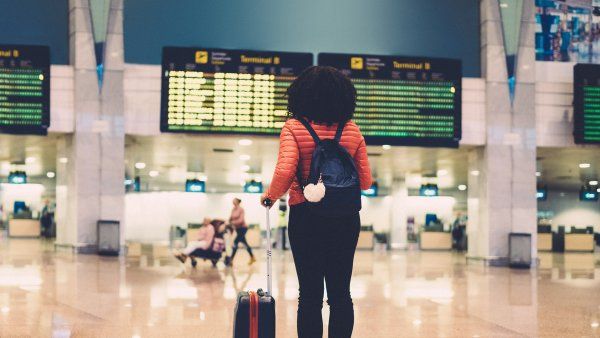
227 91
404 100
24 89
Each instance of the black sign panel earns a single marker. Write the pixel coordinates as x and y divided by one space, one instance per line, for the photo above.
404 100
227 91
586 102
24 89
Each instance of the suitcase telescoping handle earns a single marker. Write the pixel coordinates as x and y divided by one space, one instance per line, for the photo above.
268 203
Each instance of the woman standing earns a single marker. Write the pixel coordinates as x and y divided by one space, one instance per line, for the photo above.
323 246
238 220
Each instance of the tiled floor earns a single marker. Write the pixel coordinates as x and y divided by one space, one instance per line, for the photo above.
401 294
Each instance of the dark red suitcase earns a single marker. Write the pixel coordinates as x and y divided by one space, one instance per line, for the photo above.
254 315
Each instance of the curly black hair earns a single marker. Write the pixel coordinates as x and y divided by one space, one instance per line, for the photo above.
322 94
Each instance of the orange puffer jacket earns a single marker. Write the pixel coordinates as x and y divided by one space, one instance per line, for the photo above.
295 139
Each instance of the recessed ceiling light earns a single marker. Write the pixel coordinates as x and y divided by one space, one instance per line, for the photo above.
475 172
153 173
593 182
63 160
442 172
140 165
30 160
386 147
245 142
50 174
584 165
538 174
244 157
462 187
245 168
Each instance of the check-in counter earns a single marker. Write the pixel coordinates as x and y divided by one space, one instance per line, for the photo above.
24 227
435 240
577 242
365 238
544 241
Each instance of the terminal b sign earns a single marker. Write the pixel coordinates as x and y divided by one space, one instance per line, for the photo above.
24 89
404 100
227 91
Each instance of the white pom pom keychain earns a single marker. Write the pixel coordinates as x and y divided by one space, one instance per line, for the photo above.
315 192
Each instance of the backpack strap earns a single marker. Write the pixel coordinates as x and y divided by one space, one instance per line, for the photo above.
338 133
299 166
310 129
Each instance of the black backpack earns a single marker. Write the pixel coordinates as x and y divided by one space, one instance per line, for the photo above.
333 164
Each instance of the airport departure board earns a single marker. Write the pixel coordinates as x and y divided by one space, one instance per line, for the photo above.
227 91
404 100
586 101
24 89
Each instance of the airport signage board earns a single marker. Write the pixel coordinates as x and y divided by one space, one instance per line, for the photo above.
406 101
586 103
24 89
227 91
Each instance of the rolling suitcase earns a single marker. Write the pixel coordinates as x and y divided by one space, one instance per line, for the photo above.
254 315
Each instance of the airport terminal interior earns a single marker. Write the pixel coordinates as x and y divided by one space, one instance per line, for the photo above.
127 125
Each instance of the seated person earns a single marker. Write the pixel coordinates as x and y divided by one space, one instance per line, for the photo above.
203 242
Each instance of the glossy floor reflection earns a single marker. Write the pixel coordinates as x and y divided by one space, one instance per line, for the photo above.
44 293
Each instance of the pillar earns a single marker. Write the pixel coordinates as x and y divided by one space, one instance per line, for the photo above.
502 181
90 166
398 239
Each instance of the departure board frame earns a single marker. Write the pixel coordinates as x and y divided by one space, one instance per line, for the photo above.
262 76
586 118
24 89
366 71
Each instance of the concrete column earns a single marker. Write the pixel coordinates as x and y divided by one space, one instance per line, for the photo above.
90 183
112 138
398 215
501 197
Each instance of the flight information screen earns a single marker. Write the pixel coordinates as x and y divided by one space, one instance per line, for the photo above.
24 89
227 91
586 103
404 100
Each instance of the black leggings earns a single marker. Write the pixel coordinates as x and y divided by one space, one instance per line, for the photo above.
241 238
323 249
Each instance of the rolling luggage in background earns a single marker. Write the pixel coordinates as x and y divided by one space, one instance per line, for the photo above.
254 315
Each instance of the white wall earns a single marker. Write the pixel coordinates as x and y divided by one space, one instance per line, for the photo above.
570 211
29 193
442 206
554 104
376 211
61 99
149 215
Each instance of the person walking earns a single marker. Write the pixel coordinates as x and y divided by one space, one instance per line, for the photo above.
321 101
238 220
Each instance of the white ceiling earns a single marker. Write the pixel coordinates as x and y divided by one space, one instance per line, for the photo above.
179 156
